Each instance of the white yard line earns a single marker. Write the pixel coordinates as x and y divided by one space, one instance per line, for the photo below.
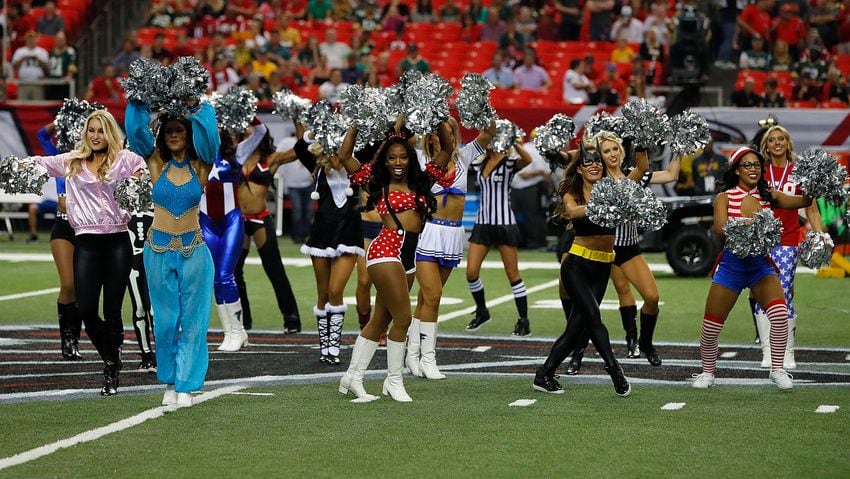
99 432
495 301
29 293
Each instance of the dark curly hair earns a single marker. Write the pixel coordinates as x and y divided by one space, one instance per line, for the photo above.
417 180
730 178
162 144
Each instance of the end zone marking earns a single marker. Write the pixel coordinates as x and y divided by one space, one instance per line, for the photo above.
826 409
99 432
729 354
523 402
481 349
672 406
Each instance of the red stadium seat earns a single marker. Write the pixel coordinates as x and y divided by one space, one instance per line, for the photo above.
833 104
46 41
309 91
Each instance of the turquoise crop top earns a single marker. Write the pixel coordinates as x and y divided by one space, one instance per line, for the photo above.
177 200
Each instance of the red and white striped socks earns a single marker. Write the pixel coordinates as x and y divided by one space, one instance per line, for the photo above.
708 346
777 313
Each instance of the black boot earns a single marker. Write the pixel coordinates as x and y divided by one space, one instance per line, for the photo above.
647 330
628 316
70 343
481 317
110 344
148 362
110 379
621 384
291 323
574 365
75 324
547 383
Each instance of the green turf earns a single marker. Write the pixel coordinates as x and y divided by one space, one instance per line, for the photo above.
461 427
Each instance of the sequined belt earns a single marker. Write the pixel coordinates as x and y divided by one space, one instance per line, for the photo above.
185 243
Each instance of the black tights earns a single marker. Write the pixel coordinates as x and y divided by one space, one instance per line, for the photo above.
102 262
273 266
585 281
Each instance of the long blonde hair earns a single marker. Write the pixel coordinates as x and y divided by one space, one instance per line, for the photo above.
113 136
789 153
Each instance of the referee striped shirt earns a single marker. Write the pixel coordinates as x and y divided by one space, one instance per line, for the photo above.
627 233
495 199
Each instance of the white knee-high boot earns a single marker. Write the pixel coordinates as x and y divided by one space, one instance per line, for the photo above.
394 384
763 325
790 362
224 317
336 317
413 348
352 380
428 361
238 335
322 328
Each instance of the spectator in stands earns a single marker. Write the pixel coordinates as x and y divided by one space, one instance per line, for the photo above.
790 28
218 45
289 35
286 77
746 97
639 78
160 53
530 75
105 88
727 15
772 97
499 75
423 12
780 57
270 10
659 19
20 20
342 10
813 65
529 188
707 170
334 50
308 56
477 11
146 51
835 89
808 88
254 36
623 52
627 26
413 61
263 65
50 22
571 14
182 47
753 21
331 89
159 14
321 72
450 12
319 9
470 30
385 74
233 21
352 74
512 40
240 55
651 51
245 8
30 63
182 14
756 58
601 18
610 90
275 47
526 24
824 17
62 66
368 15
547 29
127 55
576 86
258 85
493 27
222 76
295 8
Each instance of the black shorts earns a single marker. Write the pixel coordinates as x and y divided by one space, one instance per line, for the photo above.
495 235
62 230
371 229
622 254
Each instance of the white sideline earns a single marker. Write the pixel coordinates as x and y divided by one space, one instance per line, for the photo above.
99 432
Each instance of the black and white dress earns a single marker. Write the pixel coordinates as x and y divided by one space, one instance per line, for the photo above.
496 224
336 228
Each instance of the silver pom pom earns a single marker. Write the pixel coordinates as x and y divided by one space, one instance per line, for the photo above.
616 202
645 124
473 101
604 122
235 109
426 103
140 74
395 94
349 192
689 134
166 88
755 237
134 194
22 175
290 106
651 211
820 176
314 195
555 134
507 133
328 126
367 107
816 250
606 206
71 120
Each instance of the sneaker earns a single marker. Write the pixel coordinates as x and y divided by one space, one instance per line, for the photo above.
621 384
547 383
478 320
169 399
703 380
782 379
291 324
522 327
148 363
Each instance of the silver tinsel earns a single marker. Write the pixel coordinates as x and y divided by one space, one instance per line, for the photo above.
139 75
755 237
71 120
328 126
22 175
426 103
396 93
652 212
816 250
134 194
820 176
166 88
604 122
290 106
473 101
555 134
689 134
507 133
235 109
645 124
616 202
368 110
